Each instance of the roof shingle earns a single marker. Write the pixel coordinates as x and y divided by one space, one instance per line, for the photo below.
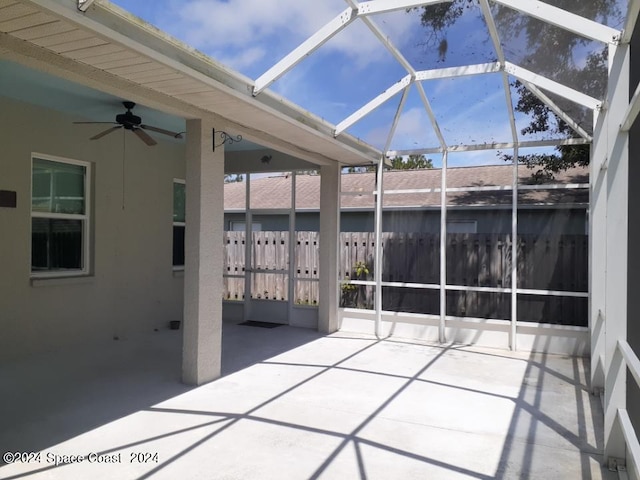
274 192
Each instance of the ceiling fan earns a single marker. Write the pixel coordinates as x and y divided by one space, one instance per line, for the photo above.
132 122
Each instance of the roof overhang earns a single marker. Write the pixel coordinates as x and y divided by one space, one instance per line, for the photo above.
110 50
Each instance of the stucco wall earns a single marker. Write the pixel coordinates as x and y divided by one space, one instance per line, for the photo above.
131 287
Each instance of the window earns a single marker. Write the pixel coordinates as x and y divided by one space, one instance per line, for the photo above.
59 216
178 223
462 226
241 226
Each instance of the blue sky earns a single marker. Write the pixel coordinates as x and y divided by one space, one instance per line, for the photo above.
352 68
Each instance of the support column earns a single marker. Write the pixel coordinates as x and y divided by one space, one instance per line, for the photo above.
329 236
377 259
617 222
598 250
202 334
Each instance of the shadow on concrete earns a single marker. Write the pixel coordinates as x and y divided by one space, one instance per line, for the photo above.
537 415
50 398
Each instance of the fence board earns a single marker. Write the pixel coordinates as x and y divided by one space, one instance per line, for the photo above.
545 262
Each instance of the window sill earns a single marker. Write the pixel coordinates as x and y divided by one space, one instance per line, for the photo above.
55 281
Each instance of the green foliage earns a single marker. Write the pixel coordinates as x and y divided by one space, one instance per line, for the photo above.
231 178
361 269
436 18
356 295
550 51
410 162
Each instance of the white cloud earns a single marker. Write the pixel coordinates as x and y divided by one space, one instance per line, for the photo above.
358 42
242 23
244 59
413 131
226 28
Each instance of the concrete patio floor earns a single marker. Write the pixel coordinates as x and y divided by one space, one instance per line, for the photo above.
294 404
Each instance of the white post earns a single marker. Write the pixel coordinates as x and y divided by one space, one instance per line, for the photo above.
378 265
329 236
513 344
616 245
292 250
443 249
248 250
598 249
202 333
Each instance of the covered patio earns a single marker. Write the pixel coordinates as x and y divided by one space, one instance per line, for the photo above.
296 404
112 233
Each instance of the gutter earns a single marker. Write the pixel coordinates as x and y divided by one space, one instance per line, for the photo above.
117 25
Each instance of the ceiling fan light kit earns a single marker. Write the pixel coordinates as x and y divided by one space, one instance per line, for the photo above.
132 122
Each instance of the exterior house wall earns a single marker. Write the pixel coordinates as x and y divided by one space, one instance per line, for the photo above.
131 286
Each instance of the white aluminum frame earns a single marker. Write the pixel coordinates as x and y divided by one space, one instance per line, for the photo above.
565 20
553 86
305 49
490 146
249 270
373 104
610 165
557 110
443 319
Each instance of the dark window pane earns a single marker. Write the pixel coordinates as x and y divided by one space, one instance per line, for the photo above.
178 246
58 187
56 244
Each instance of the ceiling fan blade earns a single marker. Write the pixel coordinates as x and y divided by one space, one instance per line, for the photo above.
161 130
144 136
106 132
95 123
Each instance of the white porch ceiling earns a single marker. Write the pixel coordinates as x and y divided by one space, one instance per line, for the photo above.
117 55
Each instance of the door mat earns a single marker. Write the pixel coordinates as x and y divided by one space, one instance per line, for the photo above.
253 323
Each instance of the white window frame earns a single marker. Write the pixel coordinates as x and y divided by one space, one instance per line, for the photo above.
176 268
85 218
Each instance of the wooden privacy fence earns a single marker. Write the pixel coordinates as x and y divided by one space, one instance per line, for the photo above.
545 262
270 253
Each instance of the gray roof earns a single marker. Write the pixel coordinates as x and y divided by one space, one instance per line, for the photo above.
274 192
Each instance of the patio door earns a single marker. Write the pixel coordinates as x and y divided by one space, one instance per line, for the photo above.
269 221
268 280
